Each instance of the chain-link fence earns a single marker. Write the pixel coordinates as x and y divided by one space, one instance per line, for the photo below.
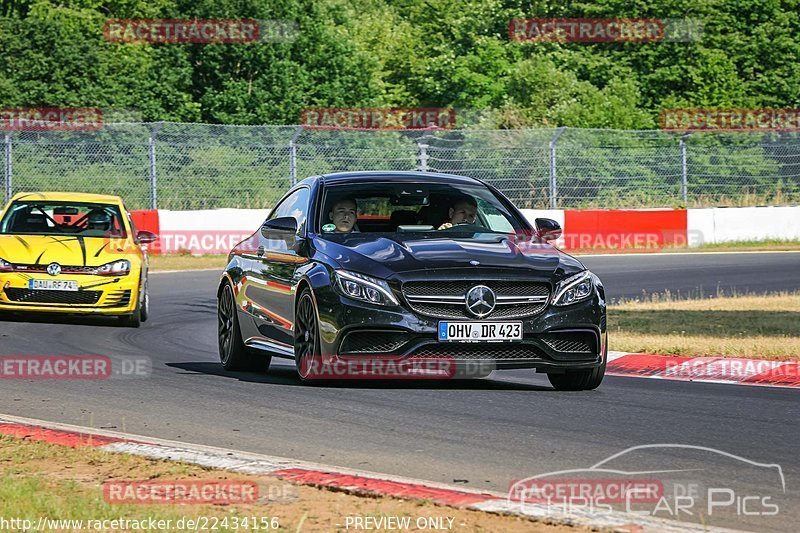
195 166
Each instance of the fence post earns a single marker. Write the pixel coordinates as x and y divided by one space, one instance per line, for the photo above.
684 173
553 183
293 157
423 156
7 167
152 154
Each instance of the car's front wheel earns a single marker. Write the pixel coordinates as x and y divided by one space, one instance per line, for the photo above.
233 354
306 337
580 379
142 312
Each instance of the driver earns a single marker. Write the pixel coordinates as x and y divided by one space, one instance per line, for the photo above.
464 211
99 220
343 214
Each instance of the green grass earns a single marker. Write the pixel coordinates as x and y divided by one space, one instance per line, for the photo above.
749 326
38 479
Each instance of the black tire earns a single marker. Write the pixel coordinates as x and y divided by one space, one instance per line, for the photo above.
131 321
306 336
144 311
233 354
579 379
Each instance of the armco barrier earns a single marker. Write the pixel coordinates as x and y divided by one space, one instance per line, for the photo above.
732 224
146 220
624 228
216 231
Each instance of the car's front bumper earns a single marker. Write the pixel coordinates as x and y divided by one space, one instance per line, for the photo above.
557 339
100 295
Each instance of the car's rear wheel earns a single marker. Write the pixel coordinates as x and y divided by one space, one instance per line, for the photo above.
233 354
580 379
307 351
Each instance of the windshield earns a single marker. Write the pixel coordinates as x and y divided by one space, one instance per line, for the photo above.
63 218
431 208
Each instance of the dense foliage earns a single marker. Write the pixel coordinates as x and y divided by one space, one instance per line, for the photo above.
443 53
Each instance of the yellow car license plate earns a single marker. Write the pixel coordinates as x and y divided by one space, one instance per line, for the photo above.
52 285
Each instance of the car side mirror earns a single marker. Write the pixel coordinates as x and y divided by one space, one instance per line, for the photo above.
548 229
146 237
283 230
281 226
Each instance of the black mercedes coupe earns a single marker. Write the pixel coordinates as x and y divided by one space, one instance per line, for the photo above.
410 265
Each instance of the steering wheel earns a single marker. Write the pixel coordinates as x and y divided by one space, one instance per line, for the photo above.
461 225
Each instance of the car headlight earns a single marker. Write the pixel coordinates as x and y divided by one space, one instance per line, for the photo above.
5 266
117 268
574 289
365 288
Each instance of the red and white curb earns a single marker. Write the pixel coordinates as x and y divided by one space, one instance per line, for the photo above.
335 478
729 370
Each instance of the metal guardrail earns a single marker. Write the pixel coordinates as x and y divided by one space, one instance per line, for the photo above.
194 166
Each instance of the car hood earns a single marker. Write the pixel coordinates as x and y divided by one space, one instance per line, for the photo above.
383 255
65 250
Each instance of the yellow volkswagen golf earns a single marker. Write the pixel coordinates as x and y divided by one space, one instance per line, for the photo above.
73 253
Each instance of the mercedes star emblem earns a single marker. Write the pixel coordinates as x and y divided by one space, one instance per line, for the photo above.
480 301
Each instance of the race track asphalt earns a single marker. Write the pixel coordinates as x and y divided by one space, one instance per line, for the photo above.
696 274
480 433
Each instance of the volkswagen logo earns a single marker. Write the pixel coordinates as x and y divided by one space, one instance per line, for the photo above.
54 269
480 301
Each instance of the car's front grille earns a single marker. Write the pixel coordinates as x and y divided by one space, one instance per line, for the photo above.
362 342
479 352
65 269
53 297
447 299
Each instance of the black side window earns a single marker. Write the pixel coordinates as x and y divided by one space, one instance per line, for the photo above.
295 205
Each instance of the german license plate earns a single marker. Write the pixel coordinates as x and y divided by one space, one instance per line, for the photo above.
52 285
480 331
